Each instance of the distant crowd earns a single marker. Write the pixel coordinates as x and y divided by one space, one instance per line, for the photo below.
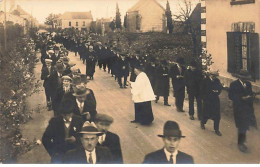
79 134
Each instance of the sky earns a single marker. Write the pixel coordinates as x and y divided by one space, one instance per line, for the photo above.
40 9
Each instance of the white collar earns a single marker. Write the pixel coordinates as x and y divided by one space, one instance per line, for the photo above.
93 154
100 138
69 119
168 154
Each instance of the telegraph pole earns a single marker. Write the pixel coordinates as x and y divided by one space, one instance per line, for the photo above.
5 34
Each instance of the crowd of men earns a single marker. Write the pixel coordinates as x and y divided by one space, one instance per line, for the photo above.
78 132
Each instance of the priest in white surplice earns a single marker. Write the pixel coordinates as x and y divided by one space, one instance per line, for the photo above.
142 95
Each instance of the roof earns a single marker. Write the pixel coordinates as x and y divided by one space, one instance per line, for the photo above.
20 11
76 15
143 4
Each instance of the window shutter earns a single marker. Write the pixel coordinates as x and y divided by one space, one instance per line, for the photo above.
234 51
254 55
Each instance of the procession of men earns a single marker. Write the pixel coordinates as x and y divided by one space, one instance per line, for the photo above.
78 133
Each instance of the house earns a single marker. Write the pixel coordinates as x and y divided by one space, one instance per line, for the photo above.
78 20
230 33
12 18
145 16
31 21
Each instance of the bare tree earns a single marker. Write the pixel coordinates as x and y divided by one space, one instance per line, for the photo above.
191 24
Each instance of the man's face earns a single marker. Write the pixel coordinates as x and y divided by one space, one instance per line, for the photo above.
66 83
56 52
81 98
89 141
103 126
171 143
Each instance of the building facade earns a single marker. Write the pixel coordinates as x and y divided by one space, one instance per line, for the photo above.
230 33
145 16
78 20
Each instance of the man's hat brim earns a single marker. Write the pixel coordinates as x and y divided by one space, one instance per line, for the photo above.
171 136
92 133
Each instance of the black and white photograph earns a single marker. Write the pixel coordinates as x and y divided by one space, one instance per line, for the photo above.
129 82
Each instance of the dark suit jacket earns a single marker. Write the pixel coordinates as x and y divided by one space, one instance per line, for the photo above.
177 83
89 105
78 156
59 96
50 82
159 157
53 138
112 142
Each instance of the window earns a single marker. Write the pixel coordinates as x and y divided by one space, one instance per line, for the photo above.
70 23
84 23
77 24
241 2
243 53
243 27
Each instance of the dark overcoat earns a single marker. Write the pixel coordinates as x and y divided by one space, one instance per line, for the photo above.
162 81
193 80
210 91
243 109
178 84
53 138
112 142
50 80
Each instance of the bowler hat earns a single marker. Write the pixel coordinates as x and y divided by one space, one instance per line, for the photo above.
171 129
104 118
80 90
76 80
90 128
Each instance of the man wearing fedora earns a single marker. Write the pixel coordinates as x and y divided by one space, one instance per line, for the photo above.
240 92
169 154
61 133
63 92
210 91
84 103
109 139
89 152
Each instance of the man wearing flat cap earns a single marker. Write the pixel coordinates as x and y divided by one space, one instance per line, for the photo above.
240 92
49 75
89 152
63 92
210 91
84 103
109 139
61 133
169 154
